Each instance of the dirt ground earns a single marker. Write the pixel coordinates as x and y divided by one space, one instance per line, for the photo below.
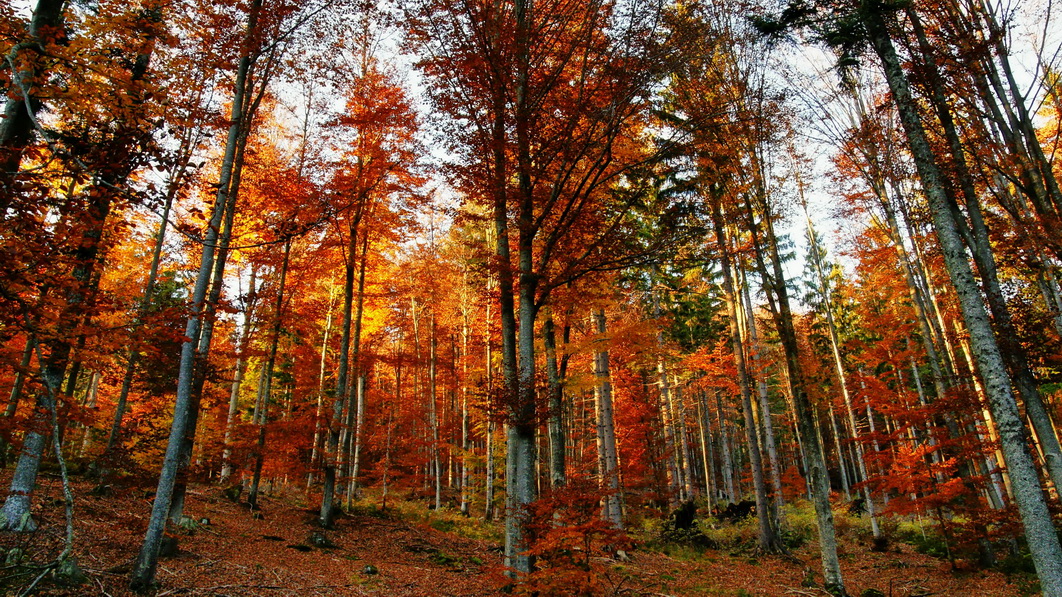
244 553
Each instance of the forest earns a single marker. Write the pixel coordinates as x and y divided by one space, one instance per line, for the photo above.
549 297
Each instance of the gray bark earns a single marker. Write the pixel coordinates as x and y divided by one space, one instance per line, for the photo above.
433 412
765 407
237 378
842 378
265 392
1039 529
815 465
608 462
143 574
975 235
557 440
768 539
724 440
317 436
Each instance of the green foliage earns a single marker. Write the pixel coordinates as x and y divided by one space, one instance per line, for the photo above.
1017 563
742 535
927 542
443 520
443 524
441 558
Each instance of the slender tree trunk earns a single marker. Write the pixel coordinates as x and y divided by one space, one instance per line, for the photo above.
607 458
488 490
359 424
16 391
767 537
674 486
15 514
466 439
206 334
265 392
433 412
818 478
331 456
842 378
724 441
765 406
678 407
317 435
355 411
707 449
237 377
145 301
90 405
557 439
143 574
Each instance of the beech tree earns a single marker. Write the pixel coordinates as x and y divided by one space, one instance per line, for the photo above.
553 107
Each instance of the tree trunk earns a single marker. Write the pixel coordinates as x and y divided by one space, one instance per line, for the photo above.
724 441
608 467
354 411
765 407
16 127
975 234
817 475
838 365
143 574
768 539
317 436
331 455
265 393
1039 529
16 391
433 412
557 439
237 378
145 301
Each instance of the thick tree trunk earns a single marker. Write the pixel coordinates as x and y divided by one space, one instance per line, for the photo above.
1039 529
16 126
975 235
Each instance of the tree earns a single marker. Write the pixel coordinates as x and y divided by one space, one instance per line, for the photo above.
548 98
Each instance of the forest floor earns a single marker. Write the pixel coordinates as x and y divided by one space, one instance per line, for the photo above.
414 551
